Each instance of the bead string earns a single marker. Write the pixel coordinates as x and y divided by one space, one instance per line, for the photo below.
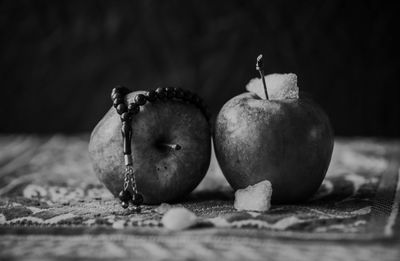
126 113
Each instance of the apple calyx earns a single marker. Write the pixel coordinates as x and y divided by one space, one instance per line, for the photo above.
171 146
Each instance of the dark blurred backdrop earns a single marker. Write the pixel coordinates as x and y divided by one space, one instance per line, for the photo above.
60 59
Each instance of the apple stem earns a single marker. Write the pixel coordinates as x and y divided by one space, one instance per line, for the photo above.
172 146
260 69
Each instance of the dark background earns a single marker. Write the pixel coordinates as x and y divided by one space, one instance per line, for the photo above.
60 59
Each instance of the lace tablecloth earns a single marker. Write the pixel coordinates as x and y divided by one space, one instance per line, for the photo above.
52 206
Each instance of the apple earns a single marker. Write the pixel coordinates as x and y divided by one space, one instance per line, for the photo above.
279 137
171 148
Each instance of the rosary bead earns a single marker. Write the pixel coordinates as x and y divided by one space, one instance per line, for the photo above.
126 116
179 93
120 89
121 108
140 99
116 95
133 108
126 129
170 92
151 96
160 93
115 90
137 199
124 204
118 101
124 196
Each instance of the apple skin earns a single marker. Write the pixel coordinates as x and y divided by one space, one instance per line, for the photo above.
288 142
162 174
